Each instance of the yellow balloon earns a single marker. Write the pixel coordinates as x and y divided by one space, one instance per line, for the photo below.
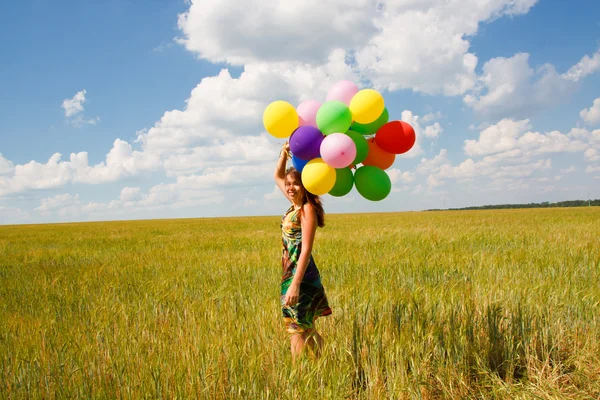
366 106
318 177
280 119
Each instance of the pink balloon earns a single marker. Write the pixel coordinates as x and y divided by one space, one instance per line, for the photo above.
307 111
343 91
338 150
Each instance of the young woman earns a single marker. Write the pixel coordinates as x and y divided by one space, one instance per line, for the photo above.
303 297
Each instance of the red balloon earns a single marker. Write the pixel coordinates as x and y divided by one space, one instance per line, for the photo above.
395 137
378 157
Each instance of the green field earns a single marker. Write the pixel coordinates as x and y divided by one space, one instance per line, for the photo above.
464 304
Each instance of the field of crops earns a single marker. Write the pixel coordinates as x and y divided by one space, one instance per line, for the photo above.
464 304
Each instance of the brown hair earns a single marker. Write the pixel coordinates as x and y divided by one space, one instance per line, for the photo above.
308 197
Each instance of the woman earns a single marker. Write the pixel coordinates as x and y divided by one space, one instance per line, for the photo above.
303 297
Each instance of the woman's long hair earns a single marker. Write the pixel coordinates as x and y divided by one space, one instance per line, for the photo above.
308 197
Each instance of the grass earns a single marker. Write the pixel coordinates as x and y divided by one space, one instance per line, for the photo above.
464 304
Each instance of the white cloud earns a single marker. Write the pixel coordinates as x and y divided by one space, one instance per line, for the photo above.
73 109
6 166
591 155
62 204
399 177
121 161
586 66
470 169
431 117
217 128
307 31
237 151
511 156
418 189
590 169
430 165
433 131
10 215
513 139
510 87
74 105
216 143
222 107
130 194
274 194
34 175
132 202
591 115
249 175
403 55
496 138
385 40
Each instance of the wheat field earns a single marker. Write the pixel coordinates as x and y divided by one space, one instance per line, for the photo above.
496 304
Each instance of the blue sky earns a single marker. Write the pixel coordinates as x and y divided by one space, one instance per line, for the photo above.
166 101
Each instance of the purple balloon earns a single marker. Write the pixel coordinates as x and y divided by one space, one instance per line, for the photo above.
305 142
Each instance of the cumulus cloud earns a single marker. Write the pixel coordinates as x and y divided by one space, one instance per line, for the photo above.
223 107
398 177
74 105
592 155
131 202
6 166
62 204
510 87
591 115
586 66
431 117
73 109
429 165
121 161
274 194
307 31
509 139
433 131
470 169
403 55
235 152
592 168
384 40
509 153
9 215
217 141
130 194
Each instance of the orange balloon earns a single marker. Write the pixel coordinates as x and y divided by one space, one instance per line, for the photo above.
377 157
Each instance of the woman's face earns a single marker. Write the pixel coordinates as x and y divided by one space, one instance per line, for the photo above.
294 188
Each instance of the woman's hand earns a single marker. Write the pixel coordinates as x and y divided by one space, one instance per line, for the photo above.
285 149
291 296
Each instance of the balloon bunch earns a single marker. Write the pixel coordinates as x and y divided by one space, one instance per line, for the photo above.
351 130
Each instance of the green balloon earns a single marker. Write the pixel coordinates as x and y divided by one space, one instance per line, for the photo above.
372 127
372 183
362 147
343 182
334 117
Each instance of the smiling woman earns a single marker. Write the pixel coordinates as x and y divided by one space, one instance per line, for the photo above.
303 297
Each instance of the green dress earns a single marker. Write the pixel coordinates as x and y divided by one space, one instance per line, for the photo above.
312 301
